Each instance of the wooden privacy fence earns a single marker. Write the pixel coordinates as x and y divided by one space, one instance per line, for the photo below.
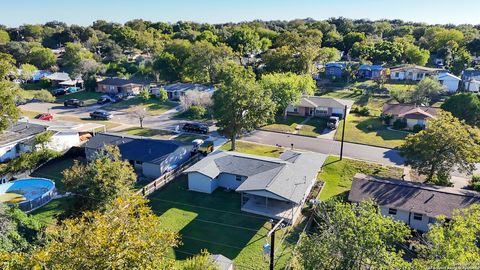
167 177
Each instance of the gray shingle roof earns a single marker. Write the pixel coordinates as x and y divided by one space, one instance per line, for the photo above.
135 148
20 131
182 87
289 176
120 82
314 101
411 196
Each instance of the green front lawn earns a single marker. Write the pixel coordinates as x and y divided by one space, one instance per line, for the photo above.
215 222
148 132
88 97
52 211
337 174
313 127
369 130
285 125
254 149
153 105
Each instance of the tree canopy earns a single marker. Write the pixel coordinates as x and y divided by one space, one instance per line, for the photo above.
464 106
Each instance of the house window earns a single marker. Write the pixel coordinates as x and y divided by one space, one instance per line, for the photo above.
417 216
392 211
295 109
238 178
397 75
320 110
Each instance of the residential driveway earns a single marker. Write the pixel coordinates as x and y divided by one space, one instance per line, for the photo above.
328 134
328 147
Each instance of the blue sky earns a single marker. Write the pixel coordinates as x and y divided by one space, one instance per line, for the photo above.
84 12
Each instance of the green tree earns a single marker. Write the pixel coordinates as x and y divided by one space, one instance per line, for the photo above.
170 62
287 88
144 95
353 236
204 61
444 145
351 38
453 243
18 231
162 95
4 37
427 91
42 57
244 40
240 105
128 235
464 106
326 55
9 112
200 262
101 181
73 56
417 56
27 71
281 60
43 139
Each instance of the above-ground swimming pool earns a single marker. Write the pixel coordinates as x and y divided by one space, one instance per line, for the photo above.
29 193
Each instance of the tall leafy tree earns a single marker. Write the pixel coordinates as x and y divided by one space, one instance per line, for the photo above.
353 236
427 91
464 106
42 57
452 243
9 91
244 40
73 56
101 181
27 71
240 105
18 231
287 88
444 145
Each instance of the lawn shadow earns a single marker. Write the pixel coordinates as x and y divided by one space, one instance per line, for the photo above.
215 222
375 125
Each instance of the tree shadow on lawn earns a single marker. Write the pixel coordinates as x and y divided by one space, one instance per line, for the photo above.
215 223
375 125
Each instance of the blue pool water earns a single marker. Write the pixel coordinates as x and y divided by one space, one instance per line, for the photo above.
31 188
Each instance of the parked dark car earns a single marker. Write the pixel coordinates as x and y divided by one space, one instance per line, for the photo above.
332 122
73 102
195 127
101 115
103 100
59 92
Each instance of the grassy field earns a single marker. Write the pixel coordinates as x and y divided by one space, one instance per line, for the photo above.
313 127
53 170
88 97
285 125
50 213
338 175
148 132
153 105
369 130
214 222
254 149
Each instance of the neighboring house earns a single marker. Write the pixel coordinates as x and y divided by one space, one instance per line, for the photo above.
20 138
471 80
449 81
119 85
412 114
151 157
58 77
176 90
335 69
222 262
320 107
272 187
371 71
472 85
416 204
412 72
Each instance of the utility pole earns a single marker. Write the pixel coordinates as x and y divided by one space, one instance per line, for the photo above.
343 130
271 233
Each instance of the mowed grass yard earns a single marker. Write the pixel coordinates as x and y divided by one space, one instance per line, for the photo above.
88 97
214 222
369 130
153 105
337 174
148 132
312 128
254 149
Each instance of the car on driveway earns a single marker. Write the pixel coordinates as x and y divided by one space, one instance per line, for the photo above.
72 89
332 122
105 99
59 92
44 117
73 102
195 127
101 115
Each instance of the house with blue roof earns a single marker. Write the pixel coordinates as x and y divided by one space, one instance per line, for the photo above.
371 72
150 157
335 69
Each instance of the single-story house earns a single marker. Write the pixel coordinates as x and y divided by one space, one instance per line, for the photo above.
20 138
320 107
471 74
472 85
176 90
411 113
412 72
151 157
416 204
449 81
335 69
272 187
119 85
371 71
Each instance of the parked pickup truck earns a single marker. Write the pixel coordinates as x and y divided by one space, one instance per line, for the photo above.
332 122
